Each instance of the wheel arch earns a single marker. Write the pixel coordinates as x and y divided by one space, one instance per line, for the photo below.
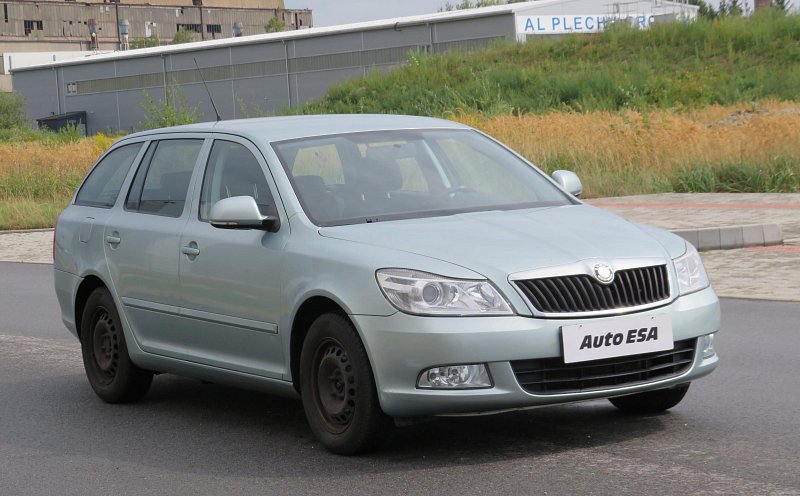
306 314
86 287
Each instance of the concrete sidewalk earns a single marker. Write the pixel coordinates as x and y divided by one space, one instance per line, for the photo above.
760 272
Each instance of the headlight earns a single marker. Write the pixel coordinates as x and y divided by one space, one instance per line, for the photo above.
421 293
691 273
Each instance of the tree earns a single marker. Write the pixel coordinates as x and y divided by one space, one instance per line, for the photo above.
172 112
275 25
183 36
467 4
735 8
705 11
148 42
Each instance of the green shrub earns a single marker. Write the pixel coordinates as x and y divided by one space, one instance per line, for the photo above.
728 60
173 111
779 176
12 114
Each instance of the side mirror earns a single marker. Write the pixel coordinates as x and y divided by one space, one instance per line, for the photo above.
241 212
569 181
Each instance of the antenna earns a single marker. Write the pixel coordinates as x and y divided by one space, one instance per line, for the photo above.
206 87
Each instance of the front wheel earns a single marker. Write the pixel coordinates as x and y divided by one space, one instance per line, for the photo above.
338 388
651 401
108 367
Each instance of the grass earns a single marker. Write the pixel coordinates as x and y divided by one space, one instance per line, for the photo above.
38 178
745 147
742 147
678 65
700 107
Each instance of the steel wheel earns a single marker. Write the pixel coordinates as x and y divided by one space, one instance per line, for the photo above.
338 388
334 385
108 366
651 401
105 344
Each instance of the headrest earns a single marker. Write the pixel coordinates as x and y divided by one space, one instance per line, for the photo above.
380 175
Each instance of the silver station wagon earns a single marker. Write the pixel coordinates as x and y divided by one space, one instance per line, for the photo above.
381 268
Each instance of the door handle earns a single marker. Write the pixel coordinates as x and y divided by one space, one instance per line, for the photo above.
113 240
190 250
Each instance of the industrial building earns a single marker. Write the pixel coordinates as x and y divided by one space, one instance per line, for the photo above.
49 26
36 31
260 74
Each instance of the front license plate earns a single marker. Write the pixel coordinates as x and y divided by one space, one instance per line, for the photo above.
616 337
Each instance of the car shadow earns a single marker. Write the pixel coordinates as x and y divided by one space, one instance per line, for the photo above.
192 427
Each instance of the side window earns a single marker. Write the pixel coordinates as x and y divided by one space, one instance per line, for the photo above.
162 181
102 186
233 171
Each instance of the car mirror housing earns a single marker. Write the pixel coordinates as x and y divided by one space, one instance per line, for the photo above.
241 212
569 181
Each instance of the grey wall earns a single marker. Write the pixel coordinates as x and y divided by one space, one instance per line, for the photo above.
245 80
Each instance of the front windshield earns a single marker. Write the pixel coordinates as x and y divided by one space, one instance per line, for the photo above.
398 174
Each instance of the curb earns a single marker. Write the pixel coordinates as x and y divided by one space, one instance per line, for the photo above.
25 231
732 237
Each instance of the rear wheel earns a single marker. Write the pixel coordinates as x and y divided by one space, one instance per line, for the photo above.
108 367
651 401
338 388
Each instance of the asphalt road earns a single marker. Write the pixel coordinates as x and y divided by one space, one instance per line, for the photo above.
737 431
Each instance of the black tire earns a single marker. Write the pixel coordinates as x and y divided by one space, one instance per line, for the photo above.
108 366
338 388
651 401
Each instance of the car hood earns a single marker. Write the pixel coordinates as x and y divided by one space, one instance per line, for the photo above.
498 243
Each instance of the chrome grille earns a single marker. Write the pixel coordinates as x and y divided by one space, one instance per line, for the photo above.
553 376
583 293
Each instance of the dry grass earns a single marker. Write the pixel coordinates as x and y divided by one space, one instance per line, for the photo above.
615 153
25 213
619 153
38 179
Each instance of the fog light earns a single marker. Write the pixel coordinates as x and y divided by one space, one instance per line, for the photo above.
707 342
455 377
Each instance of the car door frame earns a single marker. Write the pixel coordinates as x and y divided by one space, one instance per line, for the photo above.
125 304
275 363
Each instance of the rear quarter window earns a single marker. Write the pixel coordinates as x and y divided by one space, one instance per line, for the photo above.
101 188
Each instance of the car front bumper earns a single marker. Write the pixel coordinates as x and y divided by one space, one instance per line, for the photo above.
401 346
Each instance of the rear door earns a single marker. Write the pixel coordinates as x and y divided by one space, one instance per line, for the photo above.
231 279
142 239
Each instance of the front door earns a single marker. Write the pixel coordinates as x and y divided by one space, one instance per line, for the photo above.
231 278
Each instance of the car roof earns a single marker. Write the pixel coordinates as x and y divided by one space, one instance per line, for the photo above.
271 129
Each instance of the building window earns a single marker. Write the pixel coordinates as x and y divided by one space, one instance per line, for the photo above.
31 25
188 27
5 12
214 28
197 2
